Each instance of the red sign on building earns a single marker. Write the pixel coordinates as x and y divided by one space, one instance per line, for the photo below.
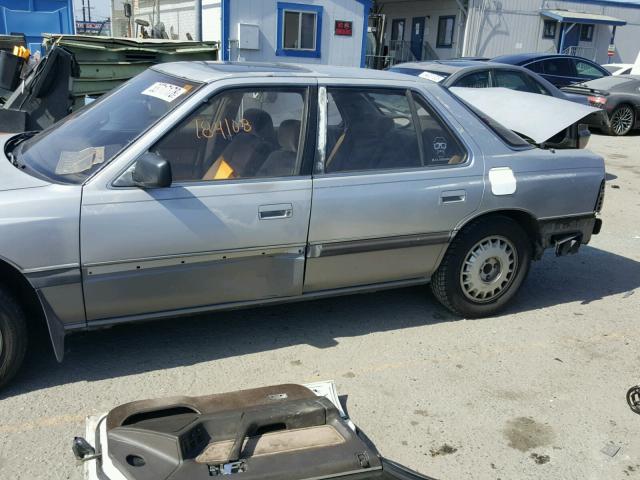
344 27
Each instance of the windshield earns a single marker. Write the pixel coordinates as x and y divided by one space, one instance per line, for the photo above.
74 148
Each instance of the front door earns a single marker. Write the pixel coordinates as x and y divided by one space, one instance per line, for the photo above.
417 36
231 228
395 181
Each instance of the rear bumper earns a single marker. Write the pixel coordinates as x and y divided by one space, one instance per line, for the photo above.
566 234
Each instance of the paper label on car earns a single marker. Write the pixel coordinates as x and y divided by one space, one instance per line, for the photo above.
431 76
76 162
164 91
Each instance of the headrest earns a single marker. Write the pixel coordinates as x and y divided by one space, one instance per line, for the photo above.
289 135
261 123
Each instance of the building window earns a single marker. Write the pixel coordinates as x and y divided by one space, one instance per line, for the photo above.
549 30
299 30
586 32
445 31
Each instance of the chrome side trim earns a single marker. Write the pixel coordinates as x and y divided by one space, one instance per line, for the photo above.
48 269
376 244
186 259
53 277
256 303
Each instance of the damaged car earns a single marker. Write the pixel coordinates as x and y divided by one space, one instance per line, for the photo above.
205 186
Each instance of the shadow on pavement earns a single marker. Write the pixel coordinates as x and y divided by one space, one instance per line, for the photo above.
585 278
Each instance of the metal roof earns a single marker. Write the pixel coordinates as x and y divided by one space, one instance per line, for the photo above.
211 71
581 17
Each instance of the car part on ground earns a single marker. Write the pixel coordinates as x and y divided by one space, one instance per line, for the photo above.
546 116
633 399
286 432
288 182
80 68
618 96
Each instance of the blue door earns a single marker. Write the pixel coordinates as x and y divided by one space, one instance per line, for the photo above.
571 37
417 36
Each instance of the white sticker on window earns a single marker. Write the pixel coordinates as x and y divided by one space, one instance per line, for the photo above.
503 181
431 76
76 162
164 91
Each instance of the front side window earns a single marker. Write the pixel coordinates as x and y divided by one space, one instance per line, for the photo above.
299 30
549 29
240 133
73 149
384 129
446 26
588 71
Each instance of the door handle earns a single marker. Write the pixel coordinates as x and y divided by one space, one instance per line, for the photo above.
273 212
453 196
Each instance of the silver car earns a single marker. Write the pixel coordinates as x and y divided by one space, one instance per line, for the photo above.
200 186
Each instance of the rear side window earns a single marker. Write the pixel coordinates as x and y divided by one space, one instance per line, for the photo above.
588 71
475 80
562 67
512 80
384 129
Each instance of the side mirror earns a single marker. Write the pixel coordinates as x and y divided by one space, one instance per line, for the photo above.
152 171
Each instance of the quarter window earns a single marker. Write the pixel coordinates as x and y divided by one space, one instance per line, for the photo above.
475 80
446 26
238 134
549 29
383 130
512 81
586 70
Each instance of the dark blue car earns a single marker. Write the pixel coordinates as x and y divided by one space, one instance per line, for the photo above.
560 70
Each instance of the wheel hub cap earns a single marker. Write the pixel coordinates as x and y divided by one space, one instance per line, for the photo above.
622 120
488 269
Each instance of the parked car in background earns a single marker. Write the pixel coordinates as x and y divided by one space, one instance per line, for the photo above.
478 74
205 186
561 70
618 68
618 95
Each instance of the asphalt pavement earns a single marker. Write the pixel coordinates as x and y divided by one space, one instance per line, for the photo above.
537 392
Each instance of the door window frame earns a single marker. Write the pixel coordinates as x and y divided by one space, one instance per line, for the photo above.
308 137
409 93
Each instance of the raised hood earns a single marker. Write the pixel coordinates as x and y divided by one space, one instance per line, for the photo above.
12 178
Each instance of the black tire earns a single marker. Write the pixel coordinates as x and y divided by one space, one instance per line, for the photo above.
514 248
13 337
622 120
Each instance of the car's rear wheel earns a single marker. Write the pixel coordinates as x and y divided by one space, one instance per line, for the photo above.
622 120
483 268
13 337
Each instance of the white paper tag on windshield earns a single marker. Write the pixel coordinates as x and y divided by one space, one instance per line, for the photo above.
76 162
431 76
164 91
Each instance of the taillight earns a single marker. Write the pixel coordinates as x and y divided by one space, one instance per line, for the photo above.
597 100
600 200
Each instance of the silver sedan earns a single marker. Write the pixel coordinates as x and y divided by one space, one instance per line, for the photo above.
206 186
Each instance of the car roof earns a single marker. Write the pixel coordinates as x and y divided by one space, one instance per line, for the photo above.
518 58
455 66
208 72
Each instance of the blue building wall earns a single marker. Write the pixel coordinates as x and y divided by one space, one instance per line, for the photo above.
35 17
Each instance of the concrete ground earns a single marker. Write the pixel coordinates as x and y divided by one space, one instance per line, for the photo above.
537 392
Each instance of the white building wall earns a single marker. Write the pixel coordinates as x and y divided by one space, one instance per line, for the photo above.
335 50
515 26
211 20
433 9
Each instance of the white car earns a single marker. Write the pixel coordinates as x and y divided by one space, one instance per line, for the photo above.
618 68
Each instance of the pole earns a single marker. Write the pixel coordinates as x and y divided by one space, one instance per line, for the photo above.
84 18
198 32
89 9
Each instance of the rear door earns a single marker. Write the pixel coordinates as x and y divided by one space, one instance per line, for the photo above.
231 228
392 181
559 71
